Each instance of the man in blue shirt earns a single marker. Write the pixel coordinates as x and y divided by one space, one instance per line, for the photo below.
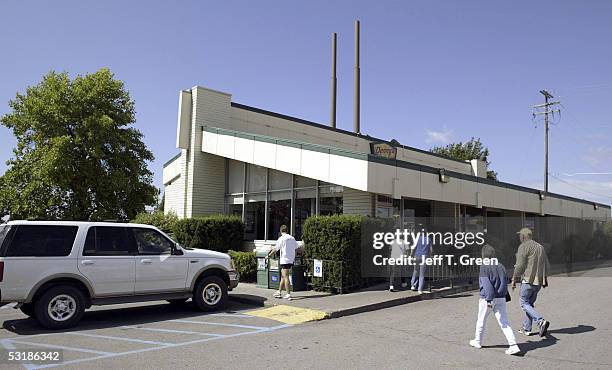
421 250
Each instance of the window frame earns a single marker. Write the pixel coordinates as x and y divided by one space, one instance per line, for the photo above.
9 240
132 250
138 253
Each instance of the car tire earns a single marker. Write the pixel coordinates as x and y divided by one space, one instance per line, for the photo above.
210 293
60 307
177 302
28 309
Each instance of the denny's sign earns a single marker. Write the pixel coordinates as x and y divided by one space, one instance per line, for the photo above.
383 150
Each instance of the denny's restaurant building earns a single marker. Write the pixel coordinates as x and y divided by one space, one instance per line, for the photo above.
271 169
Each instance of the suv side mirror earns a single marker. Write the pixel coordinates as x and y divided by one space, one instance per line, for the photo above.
176 250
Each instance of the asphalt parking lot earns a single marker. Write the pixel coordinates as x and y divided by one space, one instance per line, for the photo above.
119 330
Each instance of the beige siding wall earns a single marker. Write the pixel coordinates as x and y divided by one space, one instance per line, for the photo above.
206 180
356 202
174 185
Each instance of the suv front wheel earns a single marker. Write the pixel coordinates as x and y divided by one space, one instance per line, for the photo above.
60 307
210 293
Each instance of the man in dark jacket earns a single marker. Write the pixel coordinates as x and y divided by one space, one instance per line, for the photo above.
531 270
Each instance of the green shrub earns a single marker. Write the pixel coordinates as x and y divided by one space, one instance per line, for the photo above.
218 233
338 238
246 265
166 222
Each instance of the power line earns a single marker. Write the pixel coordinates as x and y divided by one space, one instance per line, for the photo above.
585 173
581 189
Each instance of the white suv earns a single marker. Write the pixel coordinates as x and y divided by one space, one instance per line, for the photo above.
54 270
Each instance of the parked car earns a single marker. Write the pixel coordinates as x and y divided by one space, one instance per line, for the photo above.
55 270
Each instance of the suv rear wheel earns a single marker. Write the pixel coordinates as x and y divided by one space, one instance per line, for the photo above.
27 309
60 307
210 293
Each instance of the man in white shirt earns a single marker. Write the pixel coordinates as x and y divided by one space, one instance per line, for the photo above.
287 245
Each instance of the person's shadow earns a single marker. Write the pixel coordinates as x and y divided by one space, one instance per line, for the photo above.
548 340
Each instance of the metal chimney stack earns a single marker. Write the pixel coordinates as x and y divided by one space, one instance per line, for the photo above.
357 85
334 83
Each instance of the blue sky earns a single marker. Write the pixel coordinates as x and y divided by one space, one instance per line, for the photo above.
432 72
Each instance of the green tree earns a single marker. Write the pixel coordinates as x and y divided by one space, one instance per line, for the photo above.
77 156
469 150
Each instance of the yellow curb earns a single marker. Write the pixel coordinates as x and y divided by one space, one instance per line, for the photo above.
288 314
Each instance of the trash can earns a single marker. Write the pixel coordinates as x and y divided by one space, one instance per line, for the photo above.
262 269
298 281
274 273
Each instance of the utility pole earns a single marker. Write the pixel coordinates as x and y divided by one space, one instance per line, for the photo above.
543 109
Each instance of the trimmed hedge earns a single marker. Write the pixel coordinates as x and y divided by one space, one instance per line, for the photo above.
164 222
218 233
246 265
338 238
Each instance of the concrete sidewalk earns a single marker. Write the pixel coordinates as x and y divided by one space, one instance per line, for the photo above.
372 298
336 305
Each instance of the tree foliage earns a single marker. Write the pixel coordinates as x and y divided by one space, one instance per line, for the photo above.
472 149
77 156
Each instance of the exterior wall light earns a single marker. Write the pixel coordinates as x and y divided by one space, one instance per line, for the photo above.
443 176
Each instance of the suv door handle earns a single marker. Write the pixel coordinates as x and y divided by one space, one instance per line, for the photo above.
146 262
87 262
194 261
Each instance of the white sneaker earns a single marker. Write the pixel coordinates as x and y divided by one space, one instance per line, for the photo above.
278 294
413 288
474 343
513 350
287 297
420 292
391 288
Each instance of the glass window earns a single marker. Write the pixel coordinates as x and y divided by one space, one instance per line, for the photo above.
330 200
254 219
256 176
384 206
280 214
235 210
150 241
305 206
235 177
474 220
279 180
416 212
42 241
303 182
108 241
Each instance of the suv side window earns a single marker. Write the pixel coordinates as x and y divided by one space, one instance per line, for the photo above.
108 241
42 241
150 241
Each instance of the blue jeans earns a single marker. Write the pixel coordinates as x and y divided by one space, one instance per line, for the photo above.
418 271
528 296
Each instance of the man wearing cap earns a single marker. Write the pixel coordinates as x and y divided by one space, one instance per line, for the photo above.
531 270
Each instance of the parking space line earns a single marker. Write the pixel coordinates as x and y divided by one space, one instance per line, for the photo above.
120 338
173 331
8 345
219 324
45 345
203 340
230 315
